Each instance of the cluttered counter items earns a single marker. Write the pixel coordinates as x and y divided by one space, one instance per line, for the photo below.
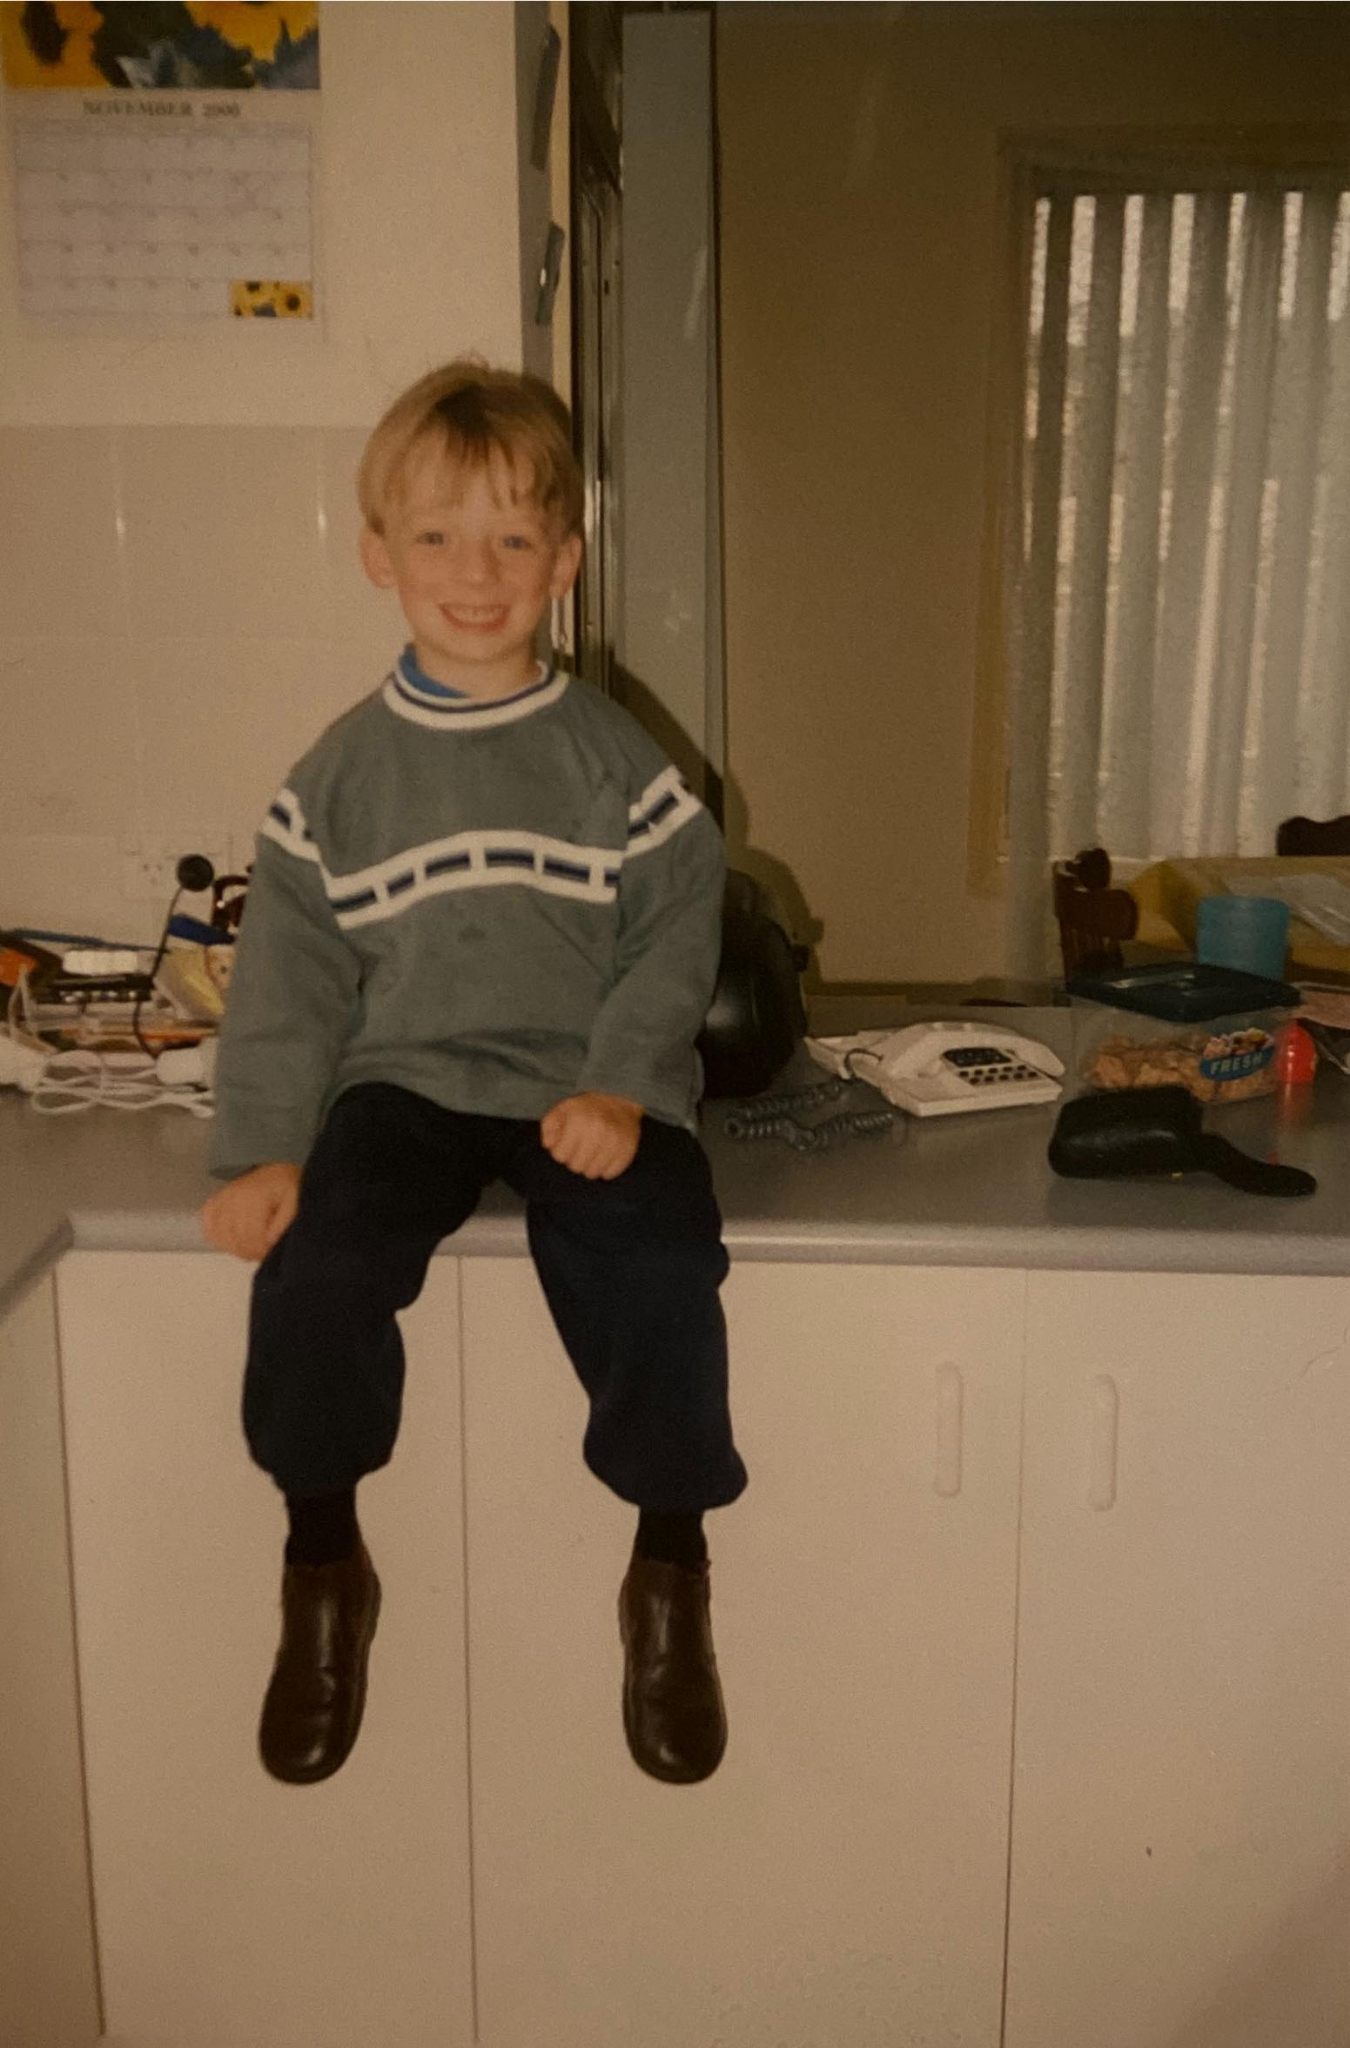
954 1191
87 1022
1315 886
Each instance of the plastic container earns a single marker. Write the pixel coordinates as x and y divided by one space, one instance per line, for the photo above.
1250 933
1212 1030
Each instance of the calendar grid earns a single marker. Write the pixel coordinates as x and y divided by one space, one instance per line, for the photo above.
175 225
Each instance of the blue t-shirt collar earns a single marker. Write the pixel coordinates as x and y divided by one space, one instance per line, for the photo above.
414 674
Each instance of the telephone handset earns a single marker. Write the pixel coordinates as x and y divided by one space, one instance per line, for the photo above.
942 1069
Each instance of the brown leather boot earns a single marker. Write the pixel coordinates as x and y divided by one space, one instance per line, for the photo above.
672 1698
312 1713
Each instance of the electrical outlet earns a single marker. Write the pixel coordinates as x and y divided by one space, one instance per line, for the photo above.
149 867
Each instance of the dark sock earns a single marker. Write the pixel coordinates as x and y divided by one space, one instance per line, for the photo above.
323 1527
671 1539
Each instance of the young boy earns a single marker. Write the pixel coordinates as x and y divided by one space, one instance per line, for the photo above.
481 936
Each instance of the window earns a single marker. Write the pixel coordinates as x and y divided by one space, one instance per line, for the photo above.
1179 627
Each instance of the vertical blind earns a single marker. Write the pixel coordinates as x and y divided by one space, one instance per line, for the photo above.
1180 572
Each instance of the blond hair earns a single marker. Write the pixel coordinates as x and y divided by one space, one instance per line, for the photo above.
474 415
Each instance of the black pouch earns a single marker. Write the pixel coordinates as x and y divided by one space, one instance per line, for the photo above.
1151 1131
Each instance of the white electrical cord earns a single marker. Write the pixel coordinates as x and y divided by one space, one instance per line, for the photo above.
60 1083
92 1080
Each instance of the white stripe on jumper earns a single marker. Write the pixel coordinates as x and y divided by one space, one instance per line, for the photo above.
293 833
553 867
474 860
669 778
685 807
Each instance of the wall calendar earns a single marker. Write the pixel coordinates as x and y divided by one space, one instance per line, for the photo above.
163 160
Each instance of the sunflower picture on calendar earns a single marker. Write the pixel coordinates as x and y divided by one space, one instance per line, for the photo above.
185 46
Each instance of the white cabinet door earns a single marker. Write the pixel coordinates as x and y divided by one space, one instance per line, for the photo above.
840 1882
234 1912
1181 1809
48 1977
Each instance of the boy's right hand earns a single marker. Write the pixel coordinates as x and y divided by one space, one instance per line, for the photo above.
248 1215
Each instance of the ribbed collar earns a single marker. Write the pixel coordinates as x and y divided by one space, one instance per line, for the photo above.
414 696
417 679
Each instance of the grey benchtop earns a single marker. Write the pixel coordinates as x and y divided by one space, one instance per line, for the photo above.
971 1190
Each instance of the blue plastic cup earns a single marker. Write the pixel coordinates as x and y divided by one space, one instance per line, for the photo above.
1246 932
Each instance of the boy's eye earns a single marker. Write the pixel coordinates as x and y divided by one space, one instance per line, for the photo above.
517 540
432 538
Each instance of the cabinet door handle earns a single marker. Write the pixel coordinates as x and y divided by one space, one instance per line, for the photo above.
950 1400
1105 1442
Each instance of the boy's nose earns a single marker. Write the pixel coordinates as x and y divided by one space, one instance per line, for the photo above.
476 561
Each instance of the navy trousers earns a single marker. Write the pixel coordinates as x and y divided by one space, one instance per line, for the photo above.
630 1269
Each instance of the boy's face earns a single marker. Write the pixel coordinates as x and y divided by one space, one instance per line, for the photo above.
476 564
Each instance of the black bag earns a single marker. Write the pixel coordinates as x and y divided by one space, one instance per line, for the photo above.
1142 1131
757 1017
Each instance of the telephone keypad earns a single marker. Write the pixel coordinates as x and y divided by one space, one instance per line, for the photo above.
982 1064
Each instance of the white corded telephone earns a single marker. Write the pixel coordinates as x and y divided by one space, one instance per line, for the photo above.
942 1069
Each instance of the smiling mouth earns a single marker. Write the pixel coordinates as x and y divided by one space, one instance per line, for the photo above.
480 618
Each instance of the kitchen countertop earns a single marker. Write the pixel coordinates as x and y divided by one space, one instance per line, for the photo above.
971 1190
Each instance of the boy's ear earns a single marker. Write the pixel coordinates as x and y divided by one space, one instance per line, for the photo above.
375 559
566 566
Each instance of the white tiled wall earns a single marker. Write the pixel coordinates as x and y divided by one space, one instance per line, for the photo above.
183 611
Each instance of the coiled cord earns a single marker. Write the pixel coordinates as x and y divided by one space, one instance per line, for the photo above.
764 1108
777 1116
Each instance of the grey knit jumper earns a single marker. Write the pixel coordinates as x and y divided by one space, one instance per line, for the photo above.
495 905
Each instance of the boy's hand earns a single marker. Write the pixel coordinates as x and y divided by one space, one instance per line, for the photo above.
248 1215
595 1135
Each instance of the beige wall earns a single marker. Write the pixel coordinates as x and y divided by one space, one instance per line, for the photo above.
180 607
860 273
